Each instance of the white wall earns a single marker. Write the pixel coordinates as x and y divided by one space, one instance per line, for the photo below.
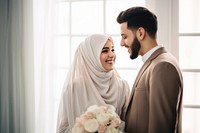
167 12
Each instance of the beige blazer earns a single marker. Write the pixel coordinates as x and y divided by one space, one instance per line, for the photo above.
155 104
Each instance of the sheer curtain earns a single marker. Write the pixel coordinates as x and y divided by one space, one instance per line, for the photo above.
43 58
16 67
26 36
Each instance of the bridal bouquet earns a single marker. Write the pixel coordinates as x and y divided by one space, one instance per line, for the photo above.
98 119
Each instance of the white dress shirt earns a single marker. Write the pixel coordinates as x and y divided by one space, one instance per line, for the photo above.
149 53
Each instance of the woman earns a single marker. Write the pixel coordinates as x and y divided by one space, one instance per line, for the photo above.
92 79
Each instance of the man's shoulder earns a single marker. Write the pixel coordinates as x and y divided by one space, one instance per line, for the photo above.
165 57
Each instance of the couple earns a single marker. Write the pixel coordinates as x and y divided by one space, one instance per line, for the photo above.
155 103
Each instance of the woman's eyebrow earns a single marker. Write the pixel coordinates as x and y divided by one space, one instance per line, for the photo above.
105 48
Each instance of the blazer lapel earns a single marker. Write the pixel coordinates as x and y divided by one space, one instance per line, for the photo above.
144 67
137 79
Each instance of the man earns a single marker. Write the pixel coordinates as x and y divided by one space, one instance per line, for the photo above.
155 104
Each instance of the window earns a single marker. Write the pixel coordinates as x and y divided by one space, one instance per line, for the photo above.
76 19
189 38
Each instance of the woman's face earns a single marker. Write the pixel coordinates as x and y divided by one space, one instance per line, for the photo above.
108 56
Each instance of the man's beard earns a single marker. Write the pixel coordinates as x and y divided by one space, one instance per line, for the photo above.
135 48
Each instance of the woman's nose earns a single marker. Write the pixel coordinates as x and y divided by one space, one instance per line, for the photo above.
111 54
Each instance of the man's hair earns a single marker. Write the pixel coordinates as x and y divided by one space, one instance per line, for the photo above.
139 17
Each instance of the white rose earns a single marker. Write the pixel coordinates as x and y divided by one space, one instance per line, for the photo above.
111 110
103 118
91 125
111 130
122 126
94 109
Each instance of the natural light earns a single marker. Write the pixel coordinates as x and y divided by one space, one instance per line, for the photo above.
74 20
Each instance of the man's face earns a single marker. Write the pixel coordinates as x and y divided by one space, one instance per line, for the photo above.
130 41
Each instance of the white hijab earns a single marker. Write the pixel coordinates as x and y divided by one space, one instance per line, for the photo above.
87 83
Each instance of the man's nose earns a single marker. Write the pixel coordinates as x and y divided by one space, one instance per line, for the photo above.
122 42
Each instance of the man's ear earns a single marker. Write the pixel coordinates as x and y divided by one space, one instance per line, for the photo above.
140 33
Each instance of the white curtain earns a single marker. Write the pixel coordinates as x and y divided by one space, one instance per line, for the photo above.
16 67
43 44
26 69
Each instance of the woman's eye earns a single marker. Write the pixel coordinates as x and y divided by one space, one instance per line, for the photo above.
104 51
113 50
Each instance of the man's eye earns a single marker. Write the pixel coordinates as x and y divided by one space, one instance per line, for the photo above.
113 50
124 37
